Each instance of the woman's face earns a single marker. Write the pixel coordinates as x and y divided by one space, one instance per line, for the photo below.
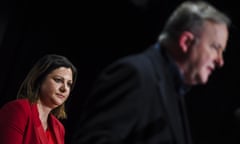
56 87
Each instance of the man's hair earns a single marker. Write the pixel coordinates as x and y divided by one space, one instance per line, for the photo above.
190 16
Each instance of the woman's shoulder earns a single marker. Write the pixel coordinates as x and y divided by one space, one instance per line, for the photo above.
17 102
15 114
16 106
56 121
57 124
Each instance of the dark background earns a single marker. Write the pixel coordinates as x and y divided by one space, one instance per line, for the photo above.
94 33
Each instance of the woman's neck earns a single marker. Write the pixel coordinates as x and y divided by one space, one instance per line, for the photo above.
44 112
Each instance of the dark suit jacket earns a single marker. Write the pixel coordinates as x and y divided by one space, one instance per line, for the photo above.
20 124
135 101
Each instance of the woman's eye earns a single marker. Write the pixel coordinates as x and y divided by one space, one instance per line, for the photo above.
57 80
70 85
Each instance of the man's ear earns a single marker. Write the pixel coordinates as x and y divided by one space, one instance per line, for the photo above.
186 39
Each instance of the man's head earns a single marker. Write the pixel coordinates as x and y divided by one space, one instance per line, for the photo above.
196 36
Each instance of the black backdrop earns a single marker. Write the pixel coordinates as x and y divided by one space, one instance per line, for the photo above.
94 33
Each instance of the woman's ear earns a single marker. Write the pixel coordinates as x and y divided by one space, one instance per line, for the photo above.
186 40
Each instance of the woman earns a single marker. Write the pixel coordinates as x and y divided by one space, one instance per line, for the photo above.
33 117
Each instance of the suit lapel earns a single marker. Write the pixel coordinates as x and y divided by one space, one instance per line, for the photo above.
39 131
186 122
169 96
55 130
173 112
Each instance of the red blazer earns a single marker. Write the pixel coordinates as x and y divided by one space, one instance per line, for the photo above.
20 124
